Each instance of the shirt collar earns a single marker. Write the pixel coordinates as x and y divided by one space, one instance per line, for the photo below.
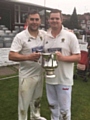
50 34
30 36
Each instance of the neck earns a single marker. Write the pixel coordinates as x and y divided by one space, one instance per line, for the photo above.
33 33
55 32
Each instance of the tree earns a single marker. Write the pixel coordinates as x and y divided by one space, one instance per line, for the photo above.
74 20
66 23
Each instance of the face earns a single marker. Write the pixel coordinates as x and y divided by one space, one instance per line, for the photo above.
55 20
33 22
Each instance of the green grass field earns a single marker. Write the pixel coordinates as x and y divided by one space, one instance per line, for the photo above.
9 100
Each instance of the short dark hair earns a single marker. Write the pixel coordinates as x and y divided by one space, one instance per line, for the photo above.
56 11
31 12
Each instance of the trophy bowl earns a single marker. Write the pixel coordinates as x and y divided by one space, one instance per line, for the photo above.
49 63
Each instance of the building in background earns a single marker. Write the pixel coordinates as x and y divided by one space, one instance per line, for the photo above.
12 13
85 22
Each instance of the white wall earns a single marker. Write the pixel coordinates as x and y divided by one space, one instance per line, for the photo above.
4 61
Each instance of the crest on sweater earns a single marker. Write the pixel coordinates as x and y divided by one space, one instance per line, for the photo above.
63 39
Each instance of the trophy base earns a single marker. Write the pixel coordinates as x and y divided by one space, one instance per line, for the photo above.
50 73
50 76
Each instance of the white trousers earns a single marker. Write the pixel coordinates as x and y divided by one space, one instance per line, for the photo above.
30 93
59 99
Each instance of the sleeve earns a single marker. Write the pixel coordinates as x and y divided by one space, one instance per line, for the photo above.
16 44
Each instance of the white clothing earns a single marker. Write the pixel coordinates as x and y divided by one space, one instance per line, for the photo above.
59 89
30 74
61 93
24 43
67 43
30 93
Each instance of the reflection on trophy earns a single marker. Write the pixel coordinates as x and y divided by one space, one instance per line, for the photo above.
49 63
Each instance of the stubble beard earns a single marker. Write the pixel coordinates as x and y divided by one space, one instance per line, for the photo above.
33 30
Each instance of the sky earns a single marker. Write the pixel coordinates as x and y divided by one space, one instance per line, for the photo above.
66 6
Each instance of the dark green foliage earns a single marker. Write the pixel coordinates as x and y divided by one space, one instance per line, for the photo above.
73 22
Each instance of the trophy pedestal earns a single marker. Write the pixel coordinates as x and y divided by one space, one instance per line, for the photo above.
50 76
50 73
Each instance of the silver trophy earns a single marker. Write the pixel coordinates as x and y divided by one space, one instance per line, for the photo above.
49 63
